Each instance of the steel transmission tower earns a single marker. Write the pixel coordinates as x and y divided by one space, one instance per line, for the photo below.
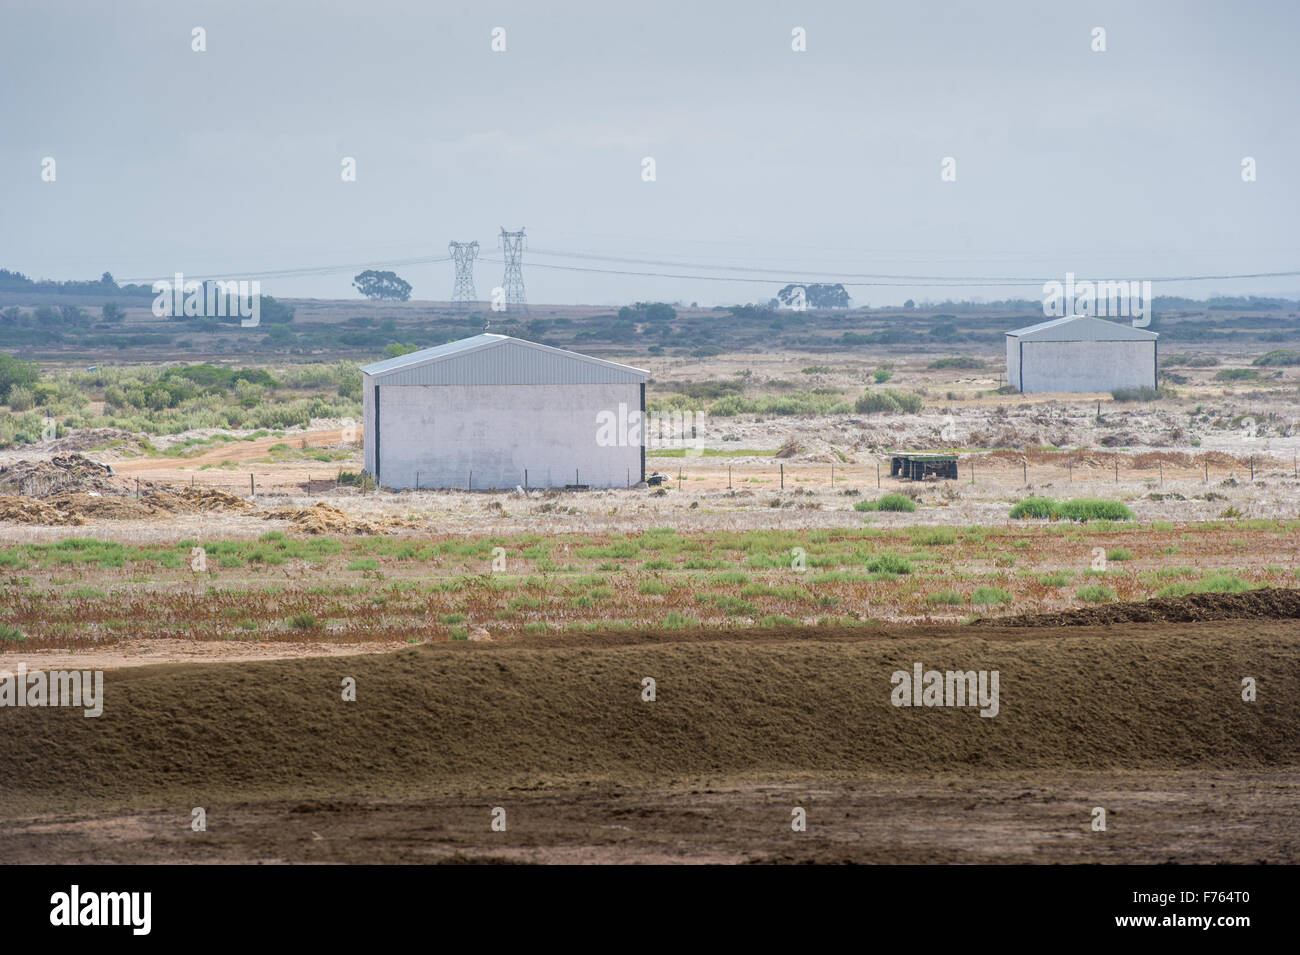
464 254
512 244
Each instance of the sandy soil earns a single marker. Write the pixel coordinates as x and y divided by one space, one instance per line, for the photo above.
1145 720
1152 818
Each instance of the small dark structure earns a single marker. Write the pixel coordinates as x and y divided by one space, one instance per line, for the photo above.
918 467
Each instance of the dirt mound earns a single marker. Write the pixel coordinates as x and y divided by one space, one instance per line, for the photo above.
1267 604
199 499
76 509
470 716
89 439
58 475
322 518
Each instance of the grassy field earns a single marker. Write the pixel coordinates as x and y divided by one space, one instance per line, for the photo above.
84 592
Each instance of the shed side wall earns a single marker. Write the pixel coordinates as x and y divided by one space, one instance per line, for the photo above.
496 431
1087 366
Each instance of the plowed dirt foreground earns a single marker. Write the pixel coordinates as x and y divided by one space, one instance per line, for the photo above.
1148 723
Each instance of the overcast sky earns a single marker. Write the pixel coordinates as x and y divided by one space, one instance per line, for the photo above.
1123 164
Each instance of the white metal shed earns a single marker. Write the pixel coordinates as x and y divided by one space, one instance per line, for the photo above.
493 411
1080 353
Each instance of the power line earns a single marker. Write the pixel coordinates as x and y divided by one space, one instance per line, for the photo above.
309 270
899 281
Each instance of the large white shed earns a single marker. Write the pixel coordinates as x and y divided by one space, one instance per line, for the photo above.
495 412
1080 353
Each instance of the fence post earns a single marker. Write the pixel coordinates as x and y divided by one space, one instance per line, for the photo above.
137 489
1024 469
525 480
252 490
470 487
1117 469
728 477
783 476
1162 474
877 474
1207 470
417 480
1252 467
1071 465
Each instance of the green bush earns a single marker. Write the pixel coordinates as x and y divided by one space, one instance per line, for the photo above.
945 598
1237 374
1119 554
888 401
1039 507
889 502
957 361
1077 509
888 563
1095 594
882 375
15 371
935 536
1278 357
990 595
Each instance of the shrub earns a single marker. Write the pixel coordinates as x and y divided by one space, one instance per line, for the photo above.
1095 594
882 375
303 621
10 634
1237 374
1212 584
990 595
1119 553
1077 509
935 536
957 361
888 563
1039 507
889 502
1278 357
888 401
946 598
1189 361
15 371
1091 509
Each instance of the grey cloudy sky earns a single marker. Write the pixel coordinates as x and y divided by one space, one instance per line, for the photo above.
1123 164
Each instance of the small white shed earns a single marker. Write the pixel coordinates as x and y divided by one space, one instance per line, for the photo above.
495 412
1080 353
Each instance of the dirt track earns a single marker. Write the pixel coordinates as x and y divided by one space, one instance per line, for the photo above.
1147 722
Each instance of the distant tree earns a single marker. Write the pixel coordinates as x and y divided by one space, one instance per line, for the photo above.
397 349
659 312
280 335
382 286
909 304
113 312
274 313
815 295
107 279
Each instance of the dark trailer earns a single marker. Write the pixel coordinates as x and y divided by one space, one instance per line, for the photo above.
918 467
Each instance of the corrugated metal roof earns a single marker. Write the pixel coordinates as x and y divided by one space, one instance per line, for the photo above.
1082 328
489 359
